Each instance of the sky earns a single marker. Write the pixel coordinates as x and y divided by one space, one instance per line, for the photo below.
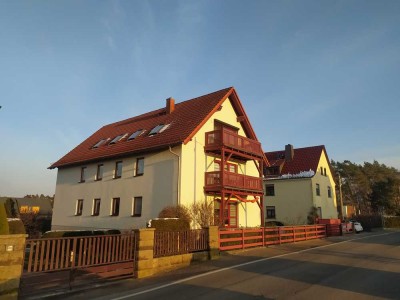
307 72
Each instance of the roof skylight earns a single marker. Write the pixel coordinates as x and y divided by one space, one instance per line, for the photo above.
158 129
99 143
118 138
135 134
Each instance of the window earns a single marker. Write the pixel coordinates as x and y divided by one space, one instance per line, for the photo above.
137 207
99 173
329 192
140 166
118 169
270 212
269 190
319 212
228 166
158 129
99 143
114 207
96 207
135 134
79 207
322 171
317 190
118 138
83 174
325 171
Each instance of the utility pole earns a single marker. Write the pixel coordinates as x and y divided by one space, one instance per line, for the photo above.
341 197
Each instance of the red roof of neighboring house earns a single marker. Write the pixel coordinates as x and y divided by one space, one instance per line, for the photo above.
304 159
185 120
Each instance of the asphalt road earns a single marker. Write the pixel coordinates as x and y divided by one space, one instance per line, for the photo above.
364 266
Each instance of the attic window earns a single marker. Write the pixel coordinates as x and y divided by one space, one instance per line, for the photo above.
118 138
99 143
158 129
135 134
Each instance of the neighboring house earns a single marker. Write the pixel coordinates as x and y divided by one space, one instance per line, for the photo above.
297 180
39 206
196 151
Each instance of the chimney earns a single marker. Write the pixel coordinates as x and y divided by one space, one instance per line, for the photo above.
289 152
170 107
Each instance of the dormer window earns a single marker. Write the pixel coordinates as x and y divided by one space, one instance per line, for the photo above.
135 134
158 129
118 138
99 143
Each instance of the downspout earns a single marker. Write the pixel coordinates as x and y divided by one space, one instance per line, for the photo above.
195 170
178 193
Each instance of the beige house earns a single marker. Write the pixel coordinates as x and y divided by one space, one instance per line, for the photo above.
195 151
296 181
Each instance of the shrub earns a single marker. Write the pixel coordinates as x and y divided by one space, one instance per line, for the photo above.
202 214
4 228
178 211
16 226
170 224
75 233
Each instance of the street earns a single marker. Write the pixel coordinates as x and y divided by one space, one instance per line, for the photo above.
364 266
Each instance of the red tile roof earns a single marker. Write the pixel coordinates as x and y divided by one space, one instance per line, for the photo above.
304 159
186 119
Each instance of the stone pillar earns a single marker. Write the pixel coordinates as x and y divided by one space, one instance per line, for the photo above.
145 252
213 242
12 248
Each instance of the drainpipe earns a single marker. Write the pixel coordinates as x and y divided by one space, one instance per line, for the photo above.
178 193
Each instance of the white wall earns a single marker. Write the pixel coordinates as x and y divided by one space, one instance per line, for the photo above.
157 186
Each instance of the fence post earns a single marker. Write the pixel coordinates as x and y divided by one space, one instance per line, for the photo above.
294 234
305 231
12 249
213 242
263 235
242 238
145 252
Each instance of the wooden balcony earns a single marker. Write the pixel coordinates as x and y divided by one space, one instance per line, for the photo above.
215 182
217 139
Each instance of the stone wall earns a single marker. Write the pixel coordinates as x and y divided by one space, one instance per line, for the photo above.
12 249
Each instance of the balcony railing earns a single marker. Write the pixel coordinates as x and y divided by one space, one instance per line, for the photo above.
232 180
219 138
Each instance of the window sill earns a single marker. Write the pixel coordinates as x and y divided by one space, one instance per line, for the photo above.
138 175
98 179
136 216
117 177
82 181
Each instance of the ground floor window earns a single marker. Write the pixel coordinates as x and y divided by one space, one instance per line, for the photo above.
96 207
114 207
79 207
230 214
137 207
270 212
319 212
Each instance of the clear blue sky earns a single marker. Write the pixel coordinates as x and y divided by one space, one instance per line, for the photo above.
307 72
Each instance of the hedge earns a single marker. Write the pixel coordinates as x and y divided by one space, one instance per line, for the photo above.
16 226
4 228
170 224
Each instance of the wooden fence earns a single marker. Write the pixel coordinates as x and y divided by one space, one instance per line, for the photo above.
53 254
168 243
246 238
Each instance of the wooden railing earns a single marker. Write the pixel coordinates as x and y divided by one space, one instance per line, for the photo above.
168 243
245 238
213 179
218 138
51 254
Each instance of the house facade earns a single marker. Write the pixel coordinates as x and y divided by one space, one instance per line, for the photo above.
296 181
199 150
